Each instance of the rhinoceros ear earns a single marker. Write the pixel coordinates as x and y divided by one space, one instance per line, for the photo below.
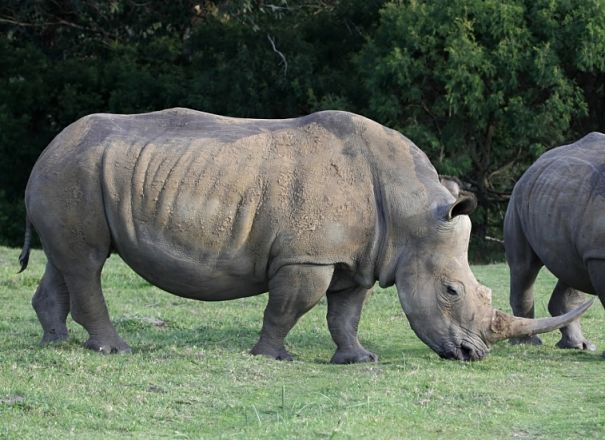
464 205
452 184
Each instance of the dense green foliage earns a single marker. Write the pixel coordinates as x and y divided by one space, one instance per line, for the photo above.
190 375
482 86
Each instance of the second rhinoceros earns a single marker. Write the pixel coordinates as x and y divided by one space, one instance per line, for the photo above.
556 218
217 208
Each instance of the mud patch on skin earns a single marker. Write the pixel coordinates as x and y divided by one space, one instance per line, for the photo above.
335 233
499 323
350 150
340 124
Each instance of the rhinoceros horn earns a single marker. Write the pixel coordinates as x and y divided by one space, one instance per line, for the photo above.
503 326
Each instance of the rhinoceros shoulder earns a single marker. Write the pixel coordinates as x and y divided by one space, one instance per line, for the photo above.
580 149
592 137
567 174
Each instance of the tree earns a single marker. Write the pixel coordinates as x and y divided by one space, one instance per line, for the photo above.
483 86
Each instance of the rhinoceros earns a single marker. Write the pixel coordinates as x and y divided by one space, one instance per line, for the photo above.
216 208
556 218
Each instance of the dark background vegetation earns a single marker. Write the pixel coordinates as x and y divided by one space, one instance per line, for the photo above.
482 86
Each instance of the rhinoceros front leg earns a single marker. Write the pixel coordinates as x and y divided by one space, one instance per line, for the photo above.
524 266
88 309
563 300
293 291
344 310
522 298
596 270
51 303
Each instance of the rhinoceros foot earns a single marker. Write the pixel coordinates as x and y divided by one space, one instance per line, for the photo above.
353 356
280 354
54 336
580 344
112 346
530 340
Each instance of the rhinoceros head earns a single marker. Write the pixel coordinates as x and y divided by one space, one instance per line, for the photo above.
446 306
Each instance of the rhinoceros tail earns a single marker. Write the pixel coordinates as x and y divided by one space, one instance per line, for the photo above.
24 257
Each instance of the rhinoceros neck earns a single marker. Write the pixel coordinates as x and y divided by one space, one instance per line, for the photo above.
406 190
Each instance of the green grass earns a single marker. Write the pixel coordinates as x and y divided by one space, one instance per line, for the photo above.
192 377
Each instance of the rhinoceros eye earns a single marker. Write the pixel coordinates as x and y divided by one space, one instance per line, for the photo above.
452 290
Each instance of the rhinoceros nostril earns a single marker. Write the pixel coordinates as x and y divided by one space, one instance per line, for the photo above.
452 353
467 353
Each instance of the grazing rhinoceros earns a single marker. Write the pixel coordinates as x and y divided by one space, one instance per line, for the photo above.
216 208
556 218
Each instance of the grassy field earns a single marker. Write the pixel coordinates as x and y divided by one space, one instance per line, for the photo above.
190 375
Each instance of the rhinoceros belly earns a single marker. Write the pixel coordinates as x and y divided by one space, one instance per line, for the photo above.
183 217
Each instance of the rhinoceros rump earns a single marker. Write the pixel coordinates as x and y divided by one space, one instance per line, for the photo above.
216 208
556 218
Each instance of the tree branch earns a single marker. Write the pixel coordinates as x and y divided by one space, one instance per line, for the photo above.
281 55
494 239
58 22
20 23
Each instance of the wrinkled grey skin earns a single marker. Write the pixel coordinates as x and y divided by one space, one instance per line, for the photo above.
556 218
216 208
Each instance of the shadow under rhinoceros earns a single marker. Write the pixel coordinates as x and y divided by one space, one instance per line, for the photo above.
150 338
309 346
541 356
153 335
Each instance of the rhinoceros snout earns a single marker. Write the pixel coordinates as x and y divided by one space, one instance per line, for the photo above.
463 352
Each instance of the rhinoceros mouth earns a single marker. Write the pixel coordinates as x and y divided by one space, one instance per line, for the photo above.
464 351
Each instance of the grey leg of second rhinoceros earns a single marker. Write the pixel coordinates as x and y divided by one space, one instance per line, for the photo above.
524 266
344 310
563 300
293 290
522 299
51 303
88 308
596 269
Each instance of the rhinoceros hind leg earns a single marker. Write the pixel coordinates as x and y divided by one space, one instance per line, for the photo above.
293 291
581 344
88 309
344 310
563 300
51 303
